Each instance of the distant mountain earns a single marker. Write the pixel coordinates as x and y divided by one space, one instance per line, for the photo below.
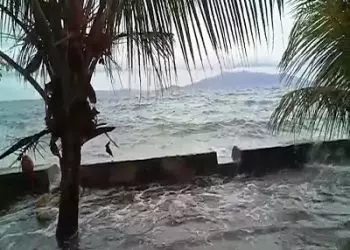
238 80
227 81
12 89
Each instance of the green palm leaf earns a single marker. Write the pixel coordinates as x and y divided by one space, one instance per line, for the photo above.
24 73
65 40
227 25
325 110
318 51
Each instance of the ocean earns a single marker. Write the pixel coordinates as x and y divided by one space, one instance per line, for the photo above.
180 121
307 209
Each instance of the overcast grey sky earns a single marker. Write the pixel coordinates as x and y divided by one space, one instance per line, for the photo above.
262 58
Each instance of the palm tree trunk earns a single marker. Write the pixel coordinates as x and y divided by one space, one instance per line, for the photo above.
67 228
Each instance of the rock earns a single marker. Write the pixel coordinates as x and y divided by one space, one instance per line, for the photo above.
44 214
46 209
43 200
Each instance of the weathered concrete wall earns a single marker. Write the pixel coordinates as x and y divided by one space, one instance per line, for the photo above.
229 169
174 169
336 152
261 161
14 184
254 162
164 169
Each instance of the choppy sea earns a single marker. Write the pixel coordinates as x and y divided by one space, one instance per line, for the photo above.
307 209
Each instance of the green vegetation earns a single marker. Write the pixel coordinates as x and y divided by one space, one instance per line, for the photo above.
65 40
319 51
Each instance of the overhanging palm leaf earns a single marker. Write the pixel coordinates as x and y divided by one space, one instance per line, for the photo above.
318 51
322 109
25 143
66 39
24 73
227 24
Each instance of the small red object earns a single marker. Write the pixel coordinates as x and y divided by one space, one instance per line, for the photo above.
27 164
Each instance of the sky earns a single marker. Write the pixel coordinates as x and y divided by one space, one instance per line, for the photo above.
263 58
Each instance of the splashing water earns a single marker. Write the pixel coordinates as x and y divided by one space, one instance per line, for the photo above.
307 209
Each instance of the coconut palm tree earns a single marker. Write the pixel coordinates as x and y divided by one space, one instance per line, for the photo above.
64 40
318 53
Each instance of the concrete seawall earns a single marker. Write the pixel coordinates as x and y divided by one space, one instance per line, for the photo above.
14 184
181 168
254 162
261 161
164 170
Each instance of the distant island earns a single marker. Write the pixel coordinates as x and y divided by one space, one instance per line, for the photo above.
238 80
10 86
227 81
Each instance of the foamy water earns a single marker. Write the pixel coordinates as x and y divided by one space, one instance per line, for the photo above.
306 209
180 122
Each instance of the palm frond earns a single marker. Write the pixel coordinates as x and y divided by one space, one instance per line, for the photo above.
319 54
99 131
225 25
11 21
325 110
318 45
25 143
24 73
45 32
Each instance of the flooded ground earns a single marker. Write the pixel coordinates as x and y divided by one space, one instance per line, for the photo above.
307 209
